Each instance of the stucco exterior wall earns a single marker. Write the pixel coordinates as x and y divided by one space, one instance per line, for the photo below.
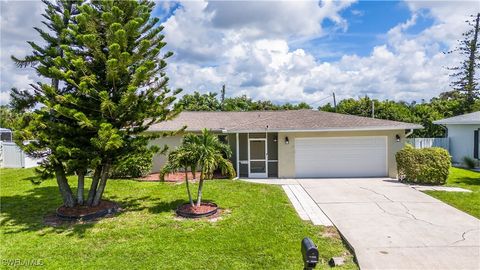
461 141
286 152
159 159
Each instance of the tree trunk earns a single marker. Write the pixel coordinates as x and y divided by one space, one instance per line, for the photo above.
81 186
101 185
65 190
200 189
188 187
94 185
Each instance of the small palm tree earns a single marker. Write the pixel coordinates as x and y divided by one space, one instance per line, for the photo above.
203 151
213 155
184 157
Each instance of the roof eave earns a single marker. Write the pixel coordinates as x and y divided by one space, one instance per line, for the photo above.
325 129
440 122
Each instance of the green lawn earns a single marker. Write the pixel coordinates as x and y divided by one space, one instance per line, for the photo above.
261 230
467 202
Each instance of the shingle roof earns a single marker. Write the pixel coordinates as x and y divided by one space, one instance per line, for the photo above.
469 118
294 120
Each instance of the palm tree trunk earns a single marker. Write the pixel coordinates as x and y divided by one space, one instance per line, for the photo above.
65 190
94 185
200 189
81 186
101 184
188 187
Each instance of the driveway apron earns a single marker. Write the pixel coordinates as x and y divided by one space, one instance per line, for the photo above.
393 226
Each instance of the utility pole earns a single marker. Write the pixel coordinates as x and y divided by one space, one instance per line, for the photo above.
334 102
223 95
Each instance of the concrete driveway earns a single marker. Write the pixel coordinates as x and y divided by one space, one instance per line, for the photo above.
392 226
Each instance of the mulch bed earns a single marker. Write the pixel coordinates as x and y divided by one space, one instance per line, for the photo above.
176 177
88 212
204 210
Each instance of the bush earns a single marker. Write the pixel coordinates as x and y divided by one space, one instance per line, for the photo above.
469 162
134 165
428 166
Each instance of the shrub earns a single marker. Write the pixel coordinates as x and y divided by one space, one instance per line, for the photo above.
469 162
428 166
134 165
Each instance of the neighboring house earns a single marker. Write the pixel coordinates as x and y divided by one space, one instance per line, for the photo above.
463 134
299 143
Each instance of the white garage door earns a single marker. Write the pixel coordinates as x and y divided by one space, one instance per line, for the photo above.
341 157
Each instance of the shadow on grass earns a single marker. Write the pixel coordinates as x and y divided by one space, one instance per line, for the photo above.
474 181
26 212
162 207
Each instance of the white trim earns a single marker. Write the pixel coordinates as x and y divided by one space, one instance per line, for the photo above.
327 129
258 175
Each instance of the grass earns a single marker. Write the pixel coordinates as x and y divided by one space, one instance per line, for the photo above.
261 230
467 202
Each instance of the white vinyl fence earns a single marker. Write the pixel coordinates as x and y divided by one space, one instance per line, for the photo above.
429 142
11 156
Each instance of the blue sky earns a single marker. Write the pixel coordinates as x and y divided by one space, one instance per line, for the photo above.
368 23
286 51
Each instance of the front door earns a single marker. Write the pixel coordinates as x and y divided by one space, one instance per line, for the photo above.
257 158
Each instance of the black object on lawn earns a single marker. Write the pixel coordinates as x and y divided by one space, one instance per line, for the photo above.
309 253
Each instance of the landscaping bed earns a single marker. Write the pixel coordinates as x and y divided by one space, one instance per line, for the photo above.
175 177
204 210
259 230
84 212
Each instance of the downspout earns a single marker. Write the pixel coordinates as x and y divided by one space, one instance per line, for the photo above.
409 133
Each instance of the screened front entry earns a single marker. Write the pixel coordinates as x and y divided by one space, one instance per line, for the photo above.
258 158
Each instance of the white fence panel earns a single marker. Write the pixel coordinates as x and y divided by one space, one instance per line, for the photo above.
13 157
429 142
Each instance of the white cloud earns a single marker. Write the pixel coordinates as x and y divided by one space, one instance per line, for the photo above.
251 53
247 46
17 19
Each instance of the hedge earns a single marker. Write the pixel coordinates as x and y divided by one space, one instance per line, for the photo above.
134 165
429 166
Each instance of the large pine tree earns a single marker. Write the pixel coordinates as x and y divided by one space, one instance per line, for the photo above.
465 80
108 87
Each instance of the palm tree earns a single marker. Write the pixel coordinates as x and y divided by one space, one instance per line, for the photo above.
203 151
184 157
213 155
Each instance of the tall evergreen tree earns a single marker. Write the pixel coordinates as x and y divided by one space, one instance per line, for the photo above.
47 126
112 89
465 80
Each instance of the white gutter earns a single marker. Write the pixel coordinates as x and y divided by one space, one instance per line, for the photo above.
409 133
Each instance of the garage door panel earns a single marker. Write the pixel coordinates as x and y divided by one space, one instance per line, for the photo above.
340 157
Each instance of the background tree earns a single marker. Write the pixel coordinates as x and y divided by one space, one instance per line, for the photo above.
210 102
113 88
8 118
424 113
200 102
465 80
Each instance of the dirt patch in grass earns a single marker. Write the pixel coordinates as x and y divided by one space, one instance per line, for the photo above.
331 232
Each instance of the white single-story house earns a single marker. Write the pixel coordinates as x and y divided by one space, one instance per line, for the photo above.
463 135
297 143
